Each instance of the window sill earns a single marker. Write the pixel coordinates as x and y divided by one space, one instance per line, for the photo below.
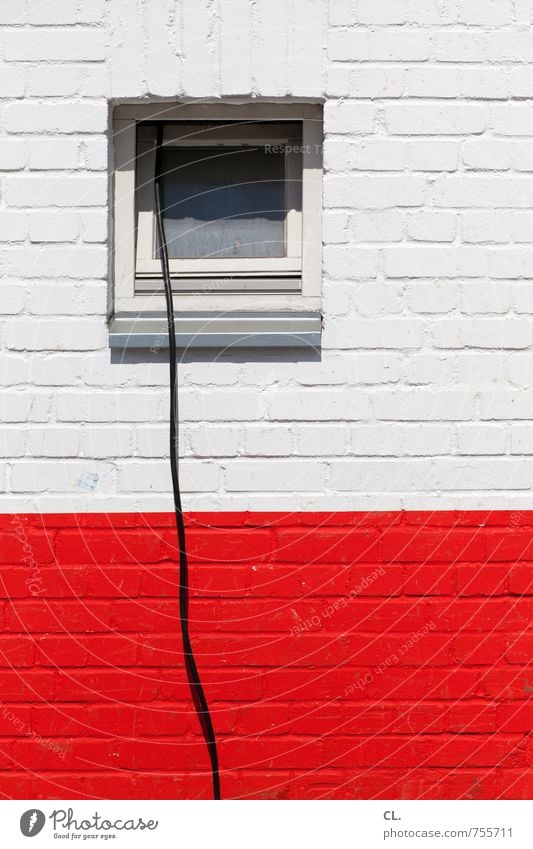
217 330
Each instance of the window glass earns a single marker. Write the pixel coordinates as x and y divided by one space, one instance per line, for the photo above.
223 202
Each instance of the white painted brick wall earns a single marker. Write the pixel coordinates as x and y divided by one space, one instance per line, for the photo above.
421 396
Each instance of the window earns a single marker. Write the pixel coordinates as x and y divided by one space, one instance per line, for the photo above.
241 197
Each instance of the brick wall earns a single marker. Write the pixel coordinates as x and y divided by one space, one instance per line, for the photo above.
345 653
360 655
420 398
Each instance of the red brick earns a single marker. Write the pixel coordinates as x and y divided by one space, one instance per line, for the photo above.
107 650
103 547
342 545
58 616
482 579
29 547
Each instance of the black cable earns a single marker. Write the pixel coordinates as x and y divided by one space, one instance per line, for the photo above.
193 677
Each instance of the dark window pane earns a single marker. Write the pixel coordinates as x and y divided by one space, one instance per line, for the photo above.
223 202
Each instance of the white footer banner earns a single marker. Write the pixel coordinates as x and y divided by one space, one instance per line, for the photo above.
268 824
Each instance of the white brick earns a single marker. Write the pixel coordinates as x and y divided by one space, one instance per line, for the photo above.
433 155
485 297
430 297
94 225
12 80
481 439
95 81
55 298
487 226
14 369
478 368
126 72
217 441
482 333
65 12
94 153
394 45
13 13
12 154
13 228
380 475
521 82
53 153
522 297
334 226
44 116
430 119
13 296
262 440
393 333
340 12
376 81
521 439
53 226
512 119
57 45
374 192
521 226
54 80
350 262
162 37
54 441
421 440
118 406
487 154
235 55
430 261
317 440
483 191
375 440
154 476
331 370
517 368
425 368
386 226
71 261
382 12
281 476
375 368
61 190
221 405
485 83
23 407
105 442
55 369
428 226
459 46
524 10
431 81
425 405
521 157
485 13
154 441
348 117
371 299
378 155
41 334
72 476
481 474
12 442
318 405
305 55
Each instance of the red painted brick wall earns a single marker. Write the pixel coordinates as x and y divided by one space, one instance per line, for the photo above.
344 655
